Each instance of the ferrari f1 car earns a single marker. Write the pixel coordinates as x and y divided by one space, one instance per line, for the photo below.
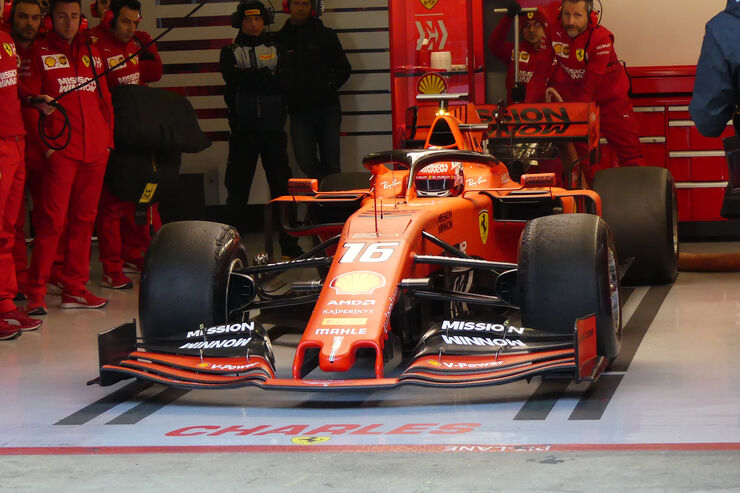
437 268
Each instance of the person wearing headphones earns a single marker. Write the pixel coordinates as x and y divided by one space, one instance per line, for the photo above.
252 67
77 142
116 45
587 69
135 238
318 67
12 176
533 53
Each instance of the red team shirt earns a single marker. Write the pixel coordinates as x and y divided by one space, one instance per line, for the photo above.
531 61
114 53
10 105
587 65
57 67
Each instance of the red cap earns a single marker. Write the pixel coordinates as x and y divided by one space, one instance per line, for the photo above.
537 16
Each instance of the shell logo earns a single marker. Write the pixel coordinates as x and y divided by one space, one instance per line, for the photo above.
203 365
358 282
433 362
50 61
431 83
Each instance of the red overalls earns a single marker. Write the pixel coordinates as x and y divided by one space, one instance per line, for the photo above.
12 169
588 70
73 176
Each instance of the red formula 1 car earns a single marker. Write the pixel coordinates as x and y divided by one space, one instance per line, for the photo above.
441 270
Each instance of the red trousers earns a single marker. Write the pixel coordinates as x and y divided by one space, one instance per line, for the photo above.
618 124
137 238
620 128
12 179
115 225
71 191
34 168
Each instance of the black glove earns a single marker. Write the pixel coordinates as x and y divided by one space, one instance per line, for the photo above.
514 9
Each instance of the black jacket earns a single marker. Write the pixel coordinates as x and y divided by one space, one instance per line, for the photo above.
717 86
252 67
316 64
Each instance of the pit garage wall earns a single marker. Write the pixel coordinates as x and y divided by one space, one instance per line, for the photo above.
190 54
654 33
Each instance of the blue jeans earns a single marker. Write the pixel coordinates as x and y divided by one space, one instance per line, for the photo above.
317 128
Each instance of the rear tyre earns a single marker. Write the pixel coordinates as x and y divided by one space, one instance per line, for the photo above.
185 280
567 271
639 205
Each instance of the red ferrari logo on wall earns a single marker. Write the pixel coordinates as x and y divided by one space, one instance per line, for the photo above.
429 4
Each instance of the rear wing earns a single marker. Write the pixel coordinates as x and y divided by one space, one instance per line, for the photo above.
543 122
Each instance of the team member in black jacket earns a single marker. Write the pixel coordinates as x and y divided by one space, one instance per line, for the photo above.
318 68
255 83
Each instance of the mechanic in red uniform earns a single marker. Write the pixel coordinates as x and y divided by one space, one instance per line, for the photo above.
12 177
73 175
24 27
534 57
135 238
116 45
587 69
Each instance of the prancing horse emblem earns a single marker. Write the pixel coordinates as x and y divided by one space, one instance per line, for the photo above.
429 4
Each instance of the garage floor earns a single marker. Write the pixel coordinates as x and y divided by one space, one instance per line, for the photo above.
665 415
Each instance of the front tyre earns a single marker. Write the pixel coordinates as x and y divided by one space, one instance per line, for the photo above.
567 271
185 280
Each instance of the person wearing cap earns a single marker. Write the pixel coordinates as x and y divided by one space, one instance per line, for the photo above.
533 54
252 67
587 69
318 68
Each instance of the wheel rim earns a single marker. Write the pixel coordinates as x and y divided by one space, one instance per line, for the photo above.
236 264
614 297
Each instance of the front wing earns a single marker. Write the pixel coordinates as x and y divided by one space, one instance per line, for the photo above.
571 356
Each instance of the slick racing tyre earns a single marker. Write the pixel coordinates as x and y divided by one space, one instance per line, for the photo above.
567 271
639 205
185 280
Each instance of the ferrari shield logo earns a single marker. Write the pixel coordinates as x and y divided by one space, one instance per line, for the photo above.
86 60
309 440
483 224
8 49
429 4
579 54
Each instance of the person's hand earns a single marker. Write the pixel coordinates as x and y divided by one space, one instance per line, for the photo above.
41 104
514 9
